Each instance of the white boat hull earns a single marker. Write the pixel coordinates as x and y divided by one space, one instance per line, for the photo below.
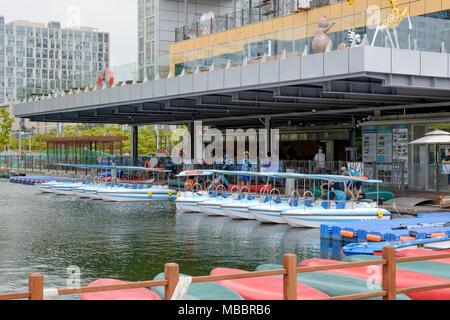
267 216
45 189
239 211
187 206
63 191
266 213
314 218
93 195
212 209
133 197
81 194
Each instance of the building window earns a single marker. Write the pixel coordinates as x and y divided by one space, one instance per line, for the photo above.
30 63
150 28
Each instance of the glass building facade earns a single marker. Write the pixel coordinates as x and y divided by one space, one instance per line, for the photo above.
426 29
146 39
36 58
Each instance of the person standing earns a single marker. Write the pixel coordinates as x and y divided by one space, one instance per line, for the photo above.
246 167
446 162
319 160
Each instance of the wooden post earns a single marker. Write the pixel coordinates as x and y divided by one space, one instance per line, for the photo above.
171 274
36 286
290 279
389 273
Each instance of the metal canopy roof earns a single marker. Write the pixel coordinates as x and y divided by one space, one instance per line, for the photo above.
331 86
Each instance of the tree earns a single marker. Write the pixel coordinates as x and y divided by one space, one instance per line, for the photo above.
6 128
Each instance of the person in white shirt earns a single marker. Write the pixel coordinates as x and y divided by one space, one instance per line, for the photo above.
319 159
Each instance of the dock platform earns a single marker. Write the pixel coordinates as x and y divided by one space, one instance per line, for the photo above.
426 225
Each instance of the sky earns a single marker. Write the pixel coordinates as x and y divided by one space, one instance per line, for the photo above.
118 17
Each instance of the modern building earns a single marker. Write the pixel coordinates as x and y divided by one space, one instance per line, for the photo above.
38 58
267 30
157 24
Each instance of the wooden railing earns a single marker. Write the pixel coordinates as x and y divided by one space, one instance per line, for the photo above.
289 272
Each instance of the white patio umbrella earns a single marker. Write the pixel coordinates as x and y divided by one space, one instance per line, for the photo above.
437 137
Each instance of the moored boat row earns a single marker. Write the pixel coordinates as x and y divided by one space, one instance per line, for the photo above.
268 206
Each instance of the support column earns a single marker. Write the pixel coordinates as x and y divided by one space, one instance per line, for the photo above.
268 125
191 146
234 14
134 145
186 14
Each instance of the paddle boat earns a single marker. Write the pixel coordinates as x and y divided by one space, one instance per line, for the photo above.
217 196
271 206
371 248
333 209
193 193
404 278
240 207
201 291
125 294
220 199
264 288
137 193
237 206
46 187
101 189
331 284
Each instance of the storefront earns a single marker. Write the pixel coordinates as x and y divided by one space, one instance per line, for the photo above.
388 142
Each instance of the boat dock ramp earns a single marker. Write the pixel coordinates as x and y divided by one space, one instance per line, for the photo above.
424 226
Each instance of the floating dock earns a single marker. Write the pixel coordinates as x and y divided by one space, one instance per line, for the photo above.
424 226
30 180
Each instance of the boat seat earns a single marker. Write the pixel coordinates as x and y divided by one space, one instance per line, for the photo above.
308 203
340 205
251 197
277 200
266 199
125 186
224 195
134 187
325 205
141 187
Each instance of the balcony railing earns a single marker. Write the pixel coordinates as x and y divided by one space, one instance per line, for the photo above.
263 10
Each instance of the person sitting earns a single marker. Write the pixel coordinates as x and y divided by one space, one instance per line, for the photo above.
352 187
221 180
329 186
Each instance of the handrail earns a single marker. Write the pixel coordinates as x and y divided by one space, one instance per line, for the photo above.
289 273
294 195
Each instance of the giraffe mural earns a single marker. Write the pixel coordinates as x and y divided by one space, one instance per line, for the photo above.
391 22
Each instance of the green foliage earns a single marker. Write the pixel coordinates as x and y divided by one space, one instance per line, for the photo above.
6 128
147 137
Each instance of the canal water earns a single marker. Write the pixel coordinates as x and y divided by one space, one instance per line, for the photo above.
62 236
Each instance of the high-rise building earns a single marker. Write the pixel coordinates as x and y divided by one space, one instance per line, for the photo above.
36 58
157 23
